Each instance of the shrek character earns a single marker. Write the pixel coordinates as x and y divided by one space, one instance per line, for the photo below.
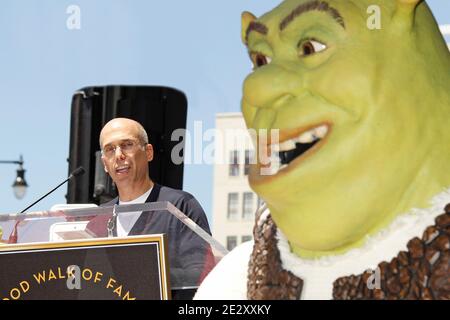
358 207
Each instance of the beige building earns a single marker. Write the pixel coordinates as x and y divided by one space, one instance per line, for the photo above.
234 203
445 29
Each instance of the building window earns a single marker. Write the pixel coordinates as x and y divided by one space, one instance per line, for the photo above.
231 242
233 206
234 163
247 206
246 238
248 160
260 202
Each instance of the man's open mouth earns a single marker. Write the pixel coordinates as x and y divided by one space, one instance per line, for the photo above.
122 169
291 149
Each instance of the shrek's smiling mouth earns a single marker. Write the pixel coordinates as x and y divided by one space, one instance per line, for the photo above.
296 145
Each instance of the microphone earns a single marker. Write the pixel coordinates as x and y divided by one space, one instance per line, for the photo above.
77 172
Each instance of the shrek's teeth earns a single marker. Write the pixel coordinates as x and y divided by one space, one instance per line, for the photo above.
290 149
286 145
306 137
313 134
321 131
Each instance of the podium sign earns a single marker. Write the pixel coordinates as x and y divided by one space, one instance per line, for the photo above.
103 269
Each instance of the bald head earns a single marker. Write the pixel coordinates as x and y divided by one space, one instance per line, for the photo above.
119 124
125 156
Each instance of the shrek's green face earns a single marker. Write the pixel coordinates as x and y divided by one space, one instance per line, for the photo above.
356 120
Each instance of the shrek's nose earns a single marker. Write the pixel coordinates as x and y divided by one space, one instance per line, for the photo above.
271 86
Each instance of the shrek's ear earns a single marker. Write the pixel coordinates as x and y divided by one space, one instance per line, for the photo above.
405 13
246 19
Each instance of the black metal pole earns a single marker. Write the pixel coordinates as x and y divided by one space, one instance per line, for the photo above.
20 162
11 162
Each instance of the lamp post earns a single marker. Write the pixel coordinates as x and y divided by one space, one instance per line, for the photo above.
19 185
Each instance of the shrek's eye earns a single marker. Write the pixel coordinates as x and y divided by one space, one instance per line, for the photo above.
309 47
258 59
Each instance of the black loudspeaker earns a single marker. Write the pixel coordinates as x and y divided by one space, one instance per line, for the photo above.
160 110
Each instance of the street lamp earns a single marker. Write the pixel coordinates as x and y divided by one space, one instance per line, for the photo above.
19 185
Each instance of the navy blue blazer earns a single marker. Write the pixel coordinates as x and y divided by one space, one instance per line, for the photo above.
190 257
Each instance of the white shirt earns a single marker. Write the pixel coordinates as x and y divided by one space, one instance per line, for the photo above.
126 221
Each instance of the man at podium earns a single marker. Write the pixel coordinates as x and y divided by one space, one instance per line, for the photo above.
125 155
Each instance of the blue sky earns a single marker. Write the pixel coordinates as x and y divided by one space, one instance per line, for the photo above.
191 45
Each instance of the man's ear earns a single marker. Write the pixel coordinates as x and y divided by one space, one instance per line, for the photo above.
246 19
405 13
149 152
104 165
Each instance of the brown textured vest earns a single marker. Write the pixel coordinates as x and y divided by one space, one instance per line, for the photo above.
422 272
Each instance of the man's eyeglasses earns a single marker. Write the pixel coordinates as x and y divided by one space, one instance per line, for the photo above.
125 147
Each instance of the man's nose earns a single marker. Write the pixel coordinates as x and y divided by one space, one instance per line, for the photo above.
271 86
118 153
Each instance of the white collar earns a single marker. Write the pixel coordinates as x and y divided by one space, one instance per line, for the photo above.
126 220
141 199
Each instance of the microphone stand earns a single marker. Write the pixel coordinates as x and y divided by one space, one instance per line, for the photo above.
14 235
